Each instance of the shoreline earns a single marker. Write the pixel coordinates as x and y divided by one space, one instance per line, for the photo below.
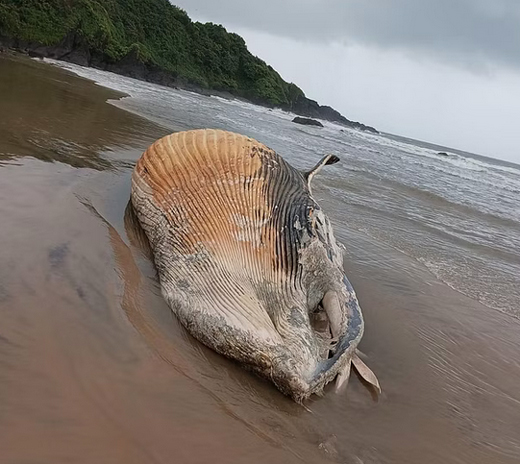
152 117
132 67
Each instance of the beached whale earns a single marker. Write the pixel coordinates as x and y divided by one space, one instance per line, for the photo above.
247 260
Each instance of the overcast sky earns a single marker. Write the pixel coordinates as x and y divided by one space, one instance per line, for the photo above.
444 71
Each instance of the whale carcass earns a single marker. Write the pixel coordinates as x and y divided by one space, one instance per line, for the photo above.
247 260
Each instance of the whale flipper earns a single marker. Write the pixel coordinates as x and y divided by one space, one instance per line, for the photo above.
327 159
366 374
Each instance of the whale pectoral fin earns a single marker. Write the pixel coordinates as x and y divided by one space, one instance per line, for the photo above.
327 159
333 310
342 378
366 374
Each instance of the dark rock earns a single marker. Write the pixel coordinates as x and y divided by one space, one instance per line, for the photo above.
79 56
72 48
35 54
130 65
442 153
309 108
307 121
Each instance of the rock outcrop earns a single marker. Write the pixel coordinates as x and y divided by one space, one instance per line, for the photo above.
307 121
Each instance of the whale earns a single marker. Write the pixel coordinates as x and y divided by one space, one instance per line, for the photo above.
248 261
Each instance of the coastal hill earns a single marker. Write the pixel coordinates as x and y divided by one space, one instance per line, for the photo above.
155 41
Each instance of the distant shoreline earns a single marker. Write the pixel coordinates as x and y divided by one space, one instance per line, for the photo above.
132 66
451 150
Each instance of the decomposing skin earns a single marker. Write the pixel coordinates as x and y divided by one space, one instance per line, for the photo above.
247 260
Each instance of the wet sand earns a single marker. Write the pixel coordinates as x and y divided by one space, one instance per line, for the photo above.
95 368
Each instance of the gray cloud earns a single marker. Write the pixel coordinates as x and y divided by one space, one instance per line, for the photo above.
468 32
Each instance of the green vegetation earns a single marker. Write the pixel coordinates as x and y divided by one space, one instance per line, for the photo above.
155 33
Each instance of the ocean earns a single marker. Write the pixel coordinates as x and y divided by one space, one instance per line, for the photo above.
458 215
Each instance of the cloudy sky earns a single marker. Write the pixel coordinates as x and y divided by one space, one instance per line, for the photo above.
444 71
